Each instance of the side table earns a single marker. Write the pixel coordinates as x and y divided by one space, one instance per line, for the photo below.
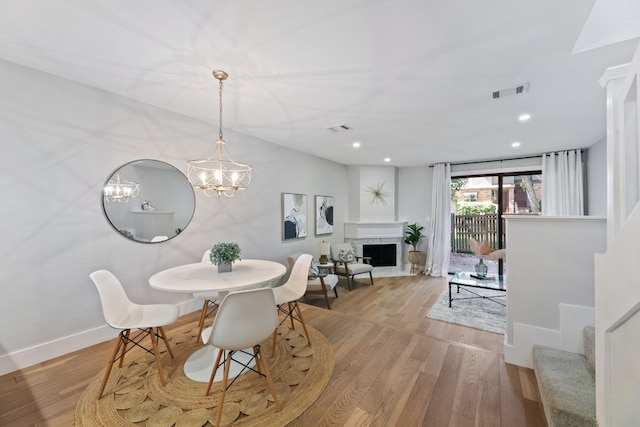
327 268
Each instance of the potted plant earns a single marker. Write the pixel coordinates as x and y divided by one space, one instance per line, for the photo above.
223 255
413 234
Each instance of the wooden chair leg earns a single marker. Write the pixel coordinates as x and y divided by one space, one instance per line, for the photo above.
267 375
290 316
166 342
203 314
125 340
371 277
255 356
335 291
213 371
273 344
304 326
227 364
326 300
119 343
156 354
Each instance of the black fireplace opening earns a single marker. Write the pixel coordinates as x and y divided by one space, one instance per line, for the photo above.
381 255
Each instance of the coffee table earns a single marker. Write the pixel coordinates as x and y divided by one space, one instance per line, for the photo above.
468 282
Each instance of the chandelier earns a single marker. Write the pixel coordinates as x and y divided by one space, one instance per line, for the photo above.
120 190
219 175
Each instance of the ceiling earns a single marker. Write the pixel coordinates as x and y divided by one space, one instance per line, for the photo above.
413 79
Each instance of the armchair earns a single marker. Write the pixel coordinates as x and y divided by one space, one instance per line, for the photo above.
349 264
318 282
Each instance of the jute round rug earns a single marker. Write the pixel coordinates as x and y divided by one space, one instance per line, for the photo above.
134 396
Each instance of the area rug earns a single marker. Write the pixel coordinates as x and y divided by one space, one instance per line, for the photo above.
478 313
134 396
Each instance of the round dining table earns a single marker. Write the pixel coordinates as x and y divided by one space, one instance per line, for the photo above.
202 278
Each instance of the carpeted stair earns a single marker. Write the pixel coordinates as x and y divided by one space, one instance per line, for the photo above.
567 383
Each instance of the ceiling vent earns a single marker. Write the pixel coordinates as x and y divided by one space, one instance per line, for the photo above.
518 90
339 128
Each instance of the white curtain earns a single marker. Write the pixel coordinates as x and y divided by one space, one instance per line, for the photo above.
440 227
562 184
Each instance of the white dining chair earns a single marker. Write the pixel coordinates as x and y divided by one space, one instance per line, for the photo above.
209 301
244 320
318 282
121 313
289 294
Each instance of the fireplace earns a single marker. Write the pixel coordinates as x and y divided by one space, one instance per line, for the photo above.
382 255
379 236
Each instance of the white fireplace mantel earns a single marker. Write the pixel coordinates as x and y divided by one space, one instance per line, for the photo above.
374 230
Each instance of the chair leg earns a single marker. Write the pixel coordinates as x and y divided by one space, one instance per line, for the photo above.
203 314
349 279
296 307
326 299
335 291
125 341
371 277
154 342
273 344
291 311
119 344
214 370
166 343
227 364
267 375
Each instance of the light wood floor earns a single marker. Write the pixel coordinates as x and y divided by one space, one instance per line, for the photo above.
394 367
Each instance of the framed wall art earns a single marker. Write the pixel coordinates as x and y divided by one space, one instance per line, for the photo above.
324 215
294 216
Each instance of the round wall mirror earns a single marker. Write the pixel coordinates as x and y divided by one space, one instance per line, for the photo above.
148 201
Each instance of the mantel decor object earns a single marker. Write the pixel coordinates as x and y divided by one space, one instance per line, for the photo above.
224 255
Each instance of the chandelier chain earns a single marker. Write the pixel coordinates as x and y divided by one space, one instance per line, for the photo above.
220 109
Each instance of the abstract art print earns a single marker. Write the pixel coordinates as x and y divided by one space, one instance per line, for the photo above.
324 215
294 216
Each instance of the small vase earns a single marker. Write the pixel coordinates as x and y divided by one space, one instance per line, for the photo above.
323 259
481 268
224 268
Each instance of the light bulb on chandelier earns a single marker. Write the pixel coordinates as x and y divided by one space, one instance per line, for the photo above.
218 175
120 190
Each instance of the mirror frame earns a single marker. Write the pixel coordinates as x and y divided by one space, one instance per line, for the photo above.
139 215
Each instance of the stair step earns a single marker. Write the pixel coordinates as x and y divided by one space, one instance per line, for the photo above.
567 387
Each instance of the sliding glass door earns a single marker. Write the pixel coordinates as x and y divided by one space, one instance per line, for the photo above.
478 203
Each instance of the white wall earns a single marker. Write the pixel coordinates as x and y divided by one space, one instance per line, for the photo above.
414 199
550 291
363 179
596 177
60 141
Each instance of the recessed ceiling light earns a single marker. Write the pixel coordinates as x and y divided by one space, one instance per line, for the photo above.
387 159
524 117
515 144
356 145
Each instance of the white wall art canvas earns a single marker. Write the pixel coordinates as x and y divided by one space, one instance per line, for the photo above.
324 215
294 216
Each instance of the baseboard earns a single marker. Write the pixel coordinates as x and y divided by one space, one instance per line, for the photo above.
524 337
573 319
42 352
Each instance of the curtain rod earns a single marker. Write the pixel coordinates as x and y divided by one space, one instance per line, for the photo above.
507 159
